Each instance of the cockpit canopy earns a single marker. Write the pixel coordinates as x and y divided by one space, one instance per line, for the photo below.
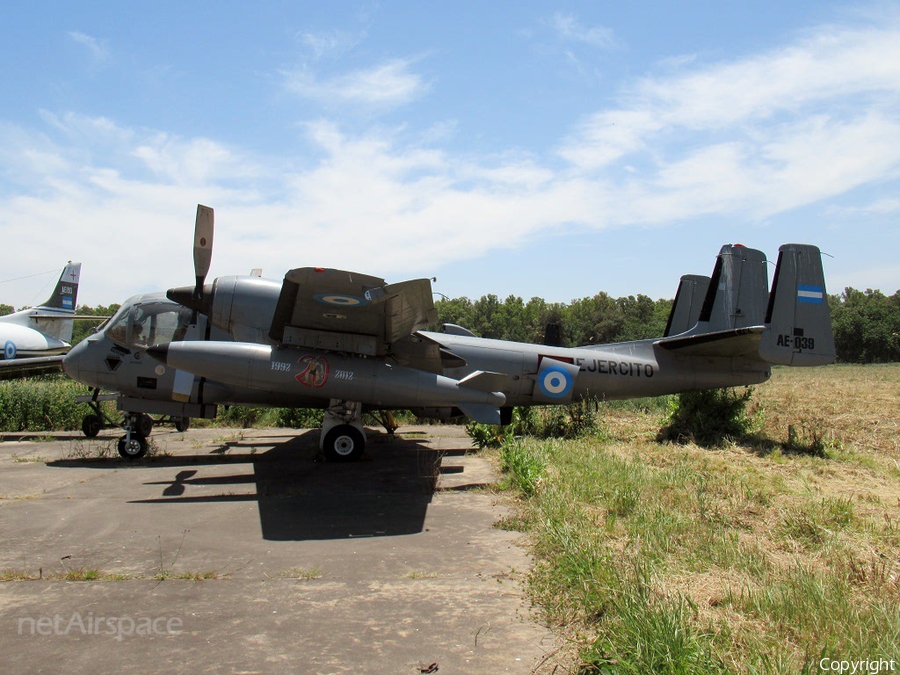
144 323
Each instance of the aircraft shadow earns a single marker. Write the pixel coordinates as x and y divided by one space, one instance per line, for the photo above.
385 494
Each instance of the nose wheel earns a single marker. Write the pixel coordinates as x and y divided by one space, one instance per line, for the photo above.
132 446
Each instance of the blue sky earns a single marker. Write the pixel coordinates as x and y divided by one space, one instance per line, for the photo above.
529 148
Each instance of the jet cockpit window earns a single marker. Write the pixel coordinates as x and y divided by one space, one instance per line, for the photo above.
152 323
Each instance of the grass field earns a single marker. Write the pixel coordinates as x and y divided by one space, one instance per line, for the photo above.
776 554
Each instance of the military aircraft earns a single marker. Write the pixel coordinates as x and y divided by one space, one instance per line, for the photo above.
349 342
35 339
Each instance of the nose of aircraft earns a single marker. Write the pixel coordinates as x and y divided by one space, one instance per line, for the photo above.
73 363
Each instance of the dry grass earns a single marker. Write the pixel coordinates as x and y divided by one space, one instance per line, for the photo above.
762 556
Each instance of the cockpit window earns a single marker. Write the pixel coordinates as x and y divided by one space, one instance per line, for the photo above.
151 323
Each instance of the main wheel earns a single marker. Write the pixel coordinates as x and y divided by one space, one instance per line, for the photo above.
134 448
91 425
344 443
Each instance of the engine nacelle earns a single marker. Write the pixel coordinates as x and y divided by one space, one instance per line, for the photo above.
244 306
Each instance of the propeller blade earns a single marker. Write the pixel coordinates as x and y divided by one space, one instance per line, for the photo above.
203 241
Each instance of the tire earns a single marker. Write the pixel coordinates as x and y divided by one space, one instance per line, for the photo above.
144 425
91 425
134 449
182 424
344 443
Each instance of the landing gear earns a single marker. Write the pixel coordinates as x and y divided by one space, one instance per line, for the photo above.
132 446
386 417
344 443
141 424
343 437
91 425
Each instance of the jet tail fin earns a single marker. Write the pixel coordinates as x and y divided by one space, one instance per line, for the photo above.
53 318
65 295
798 319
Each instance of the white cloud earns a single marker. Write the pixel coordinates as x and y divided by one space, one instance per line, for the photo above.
879 207
569 28
389 84
757 136
746 139
329 43
95 47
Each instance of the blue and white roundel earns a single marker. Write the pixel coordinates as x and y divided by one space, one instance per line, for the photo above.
555 382
339 300
9 350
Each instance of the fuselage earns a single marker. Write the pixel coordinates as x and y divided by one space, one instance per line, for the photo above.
496 373
615 371
21 335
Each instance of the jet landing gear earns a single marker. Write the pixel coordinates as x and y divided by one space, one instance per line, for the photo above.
343 437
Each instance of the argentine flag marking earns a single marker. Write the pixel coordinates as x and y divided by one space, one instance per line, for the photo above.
813 294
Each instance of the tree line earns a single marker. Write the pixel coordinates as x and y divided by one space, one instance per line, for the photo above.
866 323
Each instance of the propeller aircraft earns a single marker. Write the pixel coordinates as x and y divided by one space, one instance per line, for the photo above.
350 343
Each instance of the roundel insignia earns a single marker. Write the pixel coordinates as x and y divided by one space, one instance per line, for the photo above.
555 382
9 350
339 300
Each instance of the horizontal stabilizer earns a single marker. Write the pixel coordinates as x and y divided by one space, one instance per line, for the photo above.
482 380
735 342
77 317
483 413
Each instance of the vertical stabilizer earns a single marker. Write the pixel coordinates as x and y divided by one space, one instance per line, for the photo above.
688 302
66 292
738 290
62 302
798 318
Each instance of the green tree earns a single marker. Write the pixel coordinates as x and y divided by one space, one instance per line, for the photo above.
643 318
85 327
593 320
866 326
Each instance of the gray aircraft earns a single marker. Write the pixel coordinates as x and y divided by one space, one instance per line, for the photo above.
349 343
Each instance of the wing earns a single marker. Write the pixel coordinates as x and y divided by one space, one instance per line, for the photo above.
348 312
31 366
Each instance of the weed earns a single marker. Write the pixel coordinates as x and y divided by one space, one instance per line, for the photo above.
304 574
710 417
524 466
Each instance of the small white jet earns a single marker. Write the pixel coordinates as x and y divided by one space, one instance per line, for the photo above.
36 339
